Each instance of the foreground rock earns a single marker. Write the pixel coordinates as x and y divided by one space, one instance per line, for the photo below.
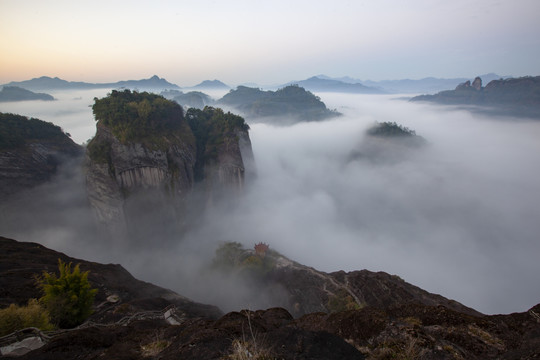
119 293
137 320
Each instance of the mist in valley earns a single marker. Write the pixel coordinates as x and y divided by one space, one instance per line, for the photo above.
458 216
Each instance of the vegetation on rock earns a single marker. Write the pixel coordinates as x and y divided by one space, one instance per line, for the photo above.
293 101
390 129
68 297
16 317
133 116
18 130
156 122
342 301
213 128
231 256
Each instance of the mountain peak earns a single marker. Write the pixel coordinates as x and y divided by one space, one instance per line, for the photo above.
212 84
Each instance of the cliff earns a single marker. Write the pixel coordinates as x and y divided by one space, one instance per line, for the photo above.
147 159
31 152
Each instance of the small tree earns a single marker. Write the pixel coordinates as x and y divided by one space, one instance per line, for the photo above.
69 297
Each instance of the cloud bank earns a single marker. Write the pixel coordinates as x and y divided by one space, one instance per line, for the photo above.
458 217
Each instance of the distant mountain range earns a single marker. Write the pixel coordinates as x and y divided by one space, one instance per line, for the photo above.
212 85
513 96
319 83
428 85
14 93
49 83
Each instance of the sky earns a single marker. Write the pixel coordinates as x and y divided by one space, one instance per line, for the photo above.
266 42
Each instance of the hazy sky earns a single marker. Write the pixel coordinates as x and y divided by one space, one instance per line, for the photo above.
266 42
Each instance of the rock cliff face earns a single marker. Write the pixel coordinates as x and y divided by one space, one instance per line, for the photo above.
31 151
145 185
135 175
234 164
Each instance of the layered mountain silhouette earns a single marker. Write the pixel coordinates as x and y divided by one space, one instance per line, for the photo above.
511 97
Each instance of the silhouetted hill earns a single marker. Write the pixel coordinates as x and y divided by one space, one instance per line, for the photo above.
153 83
513 96
428 85
212 84
287 105
14 93
49 83
330 85
195 99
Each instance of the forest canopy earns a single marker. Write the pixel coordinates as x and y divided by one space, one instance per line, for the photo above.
133 115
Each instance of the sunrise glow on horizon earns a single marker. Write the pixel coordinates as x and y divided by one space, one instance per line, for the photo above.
243 41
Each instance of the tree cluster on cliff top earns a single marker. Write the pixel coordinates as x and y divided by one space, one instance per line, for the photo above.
212 128
390 129
132 115
148 118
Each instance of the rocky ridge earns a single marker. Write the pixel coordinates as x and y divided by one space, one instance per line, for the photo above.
137 320
303 290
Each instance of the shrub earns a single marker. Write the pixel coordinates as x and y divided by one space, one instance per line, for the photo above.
69 297
15 318
342 301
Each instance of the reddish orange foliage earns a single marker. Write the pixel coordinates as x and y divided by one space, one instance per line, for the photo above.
261 248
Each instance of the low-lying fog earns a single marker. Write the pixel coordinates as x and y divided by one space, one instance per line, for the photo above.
458 217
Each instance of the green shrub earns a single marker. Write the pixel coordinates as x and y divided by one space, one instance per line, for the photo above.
69 297
342 301
15 318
